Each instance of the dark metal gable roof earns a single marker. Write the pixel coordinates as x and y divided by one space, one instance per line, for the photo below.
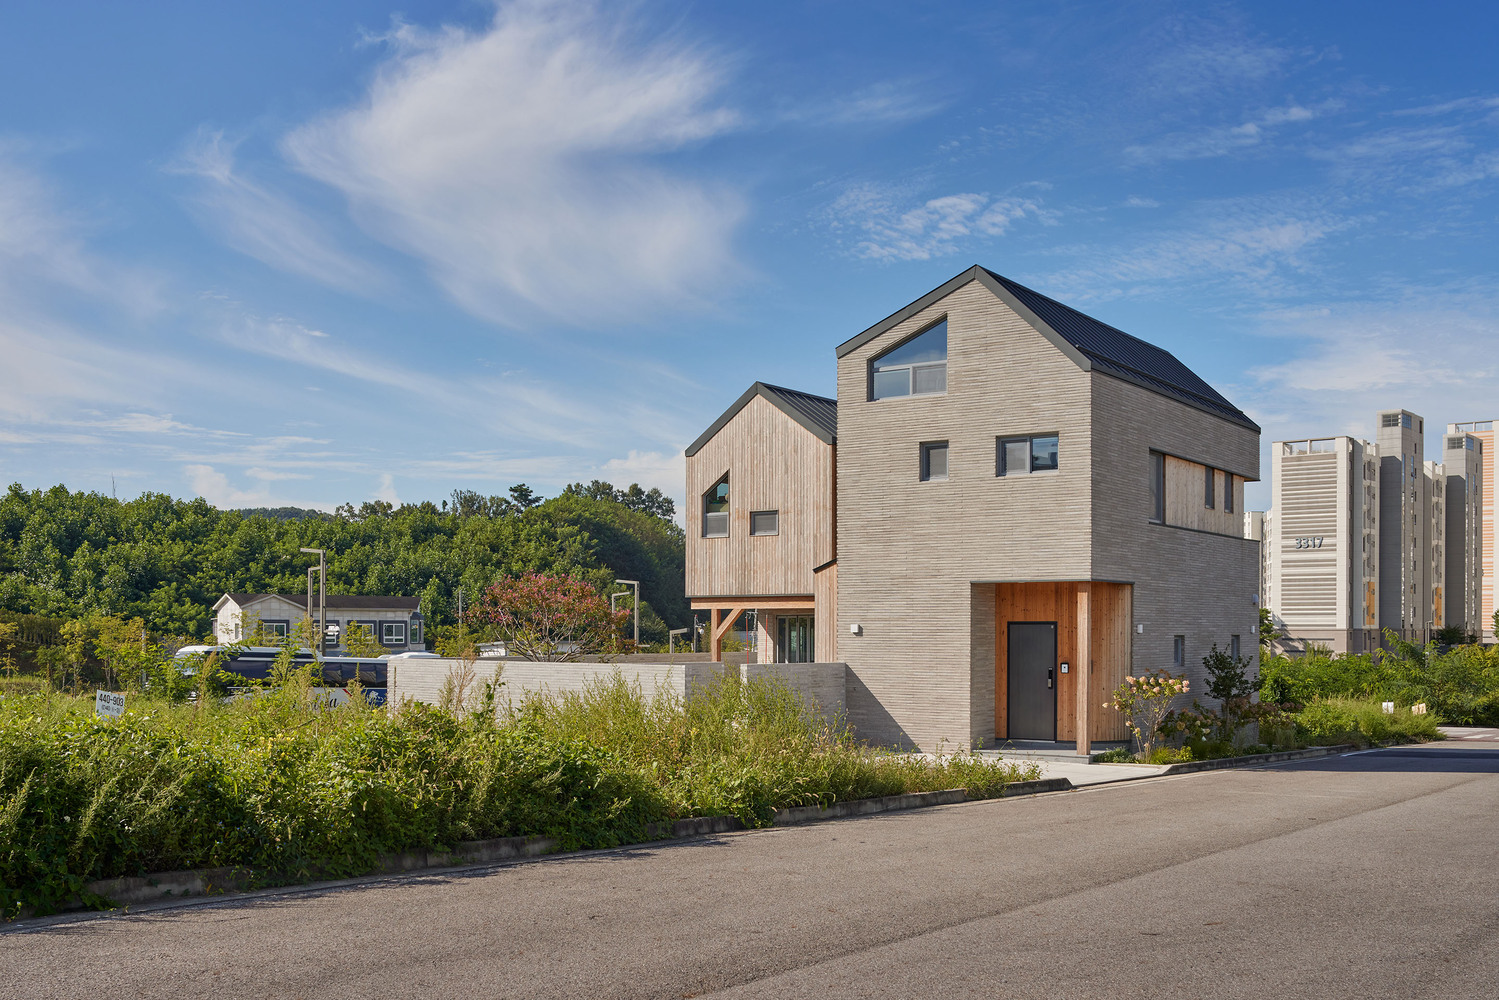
1090 343
817 414
336 601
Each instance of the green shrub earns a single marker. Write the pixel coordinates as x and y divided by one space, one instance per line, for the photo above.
1346 720
291 791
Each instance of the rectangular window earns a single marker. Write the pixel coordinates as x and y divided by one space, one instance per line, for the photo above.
416 633
1158 487
1023 455
1209 486
1233 646
393 633
1228 492
934 461
716 510
1179 652
277 629
765 522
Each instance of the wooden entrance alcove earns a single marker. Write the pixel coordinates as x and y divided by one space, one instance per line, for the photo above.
1093 638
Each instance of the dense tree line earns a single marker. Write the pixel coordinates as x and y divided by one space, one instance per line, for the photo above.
64 555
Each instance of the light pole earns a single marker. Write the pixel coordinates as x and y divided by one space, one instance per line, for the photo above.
636 585
322 596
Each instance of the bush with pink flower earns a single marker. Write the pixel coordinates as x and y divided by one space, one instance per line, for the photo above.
1144 702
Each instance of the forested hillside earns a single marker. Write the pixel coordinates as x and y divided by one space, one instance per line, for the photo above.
66 554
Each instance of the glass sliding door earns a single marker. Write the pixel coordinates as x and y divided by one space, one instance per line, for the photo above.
794 639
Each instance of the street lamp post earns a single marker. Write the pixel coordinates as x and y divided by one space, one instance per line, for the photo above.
322 597
636 585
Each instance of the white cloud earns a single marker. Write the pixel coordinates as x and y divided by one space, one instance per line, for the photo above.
387 489
890 101
887 230
214 487
1224 140
523 163
263 223
1136 202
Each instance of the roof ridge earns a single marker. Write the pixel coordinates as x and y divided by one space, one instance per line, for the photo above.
1074 309
800 392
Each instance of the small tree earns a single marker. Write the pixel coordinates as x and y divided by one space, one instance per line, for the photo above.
1228 681
1144 702
545 617
359 640
1268 630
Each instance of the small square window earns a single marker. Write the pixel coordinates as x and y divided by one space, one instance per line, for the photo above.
934 461
765 522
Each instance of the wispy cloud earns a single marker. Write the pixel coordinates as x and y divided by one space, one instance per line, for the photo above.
526 164
263 223
1224 140
883 103
884 226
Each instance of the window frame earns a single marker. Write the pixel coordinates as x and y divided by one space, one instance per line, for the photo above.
1209 487
386 640
760 513
1179 652
1228 492
1158 486
924 469
1234 646
910 369
725 514
1001 464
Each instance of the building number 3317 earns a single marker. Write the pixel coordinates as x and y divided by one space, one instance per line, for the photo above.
1314 542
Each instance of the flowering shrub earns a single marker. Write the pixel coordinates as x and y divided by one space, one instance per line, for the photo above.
546 617
1144 702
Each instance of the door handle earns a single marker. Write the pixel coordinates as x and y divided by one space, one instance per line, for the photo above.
1050 676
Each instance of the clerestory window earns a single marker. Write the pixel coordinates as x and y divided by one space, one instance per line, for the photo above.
915 367
716 510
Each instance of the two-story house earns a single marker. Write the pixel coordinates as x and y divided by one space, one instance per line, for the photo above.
1027 505
394 622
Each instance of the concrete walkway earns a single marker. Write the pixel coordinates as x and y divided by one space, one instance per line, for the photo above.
1080 772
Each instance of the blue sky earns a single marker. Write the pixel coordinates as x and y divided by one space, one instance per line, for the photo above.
303 253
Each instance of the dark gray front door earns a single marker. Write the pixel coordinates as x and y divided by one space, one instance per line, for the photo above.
1032 666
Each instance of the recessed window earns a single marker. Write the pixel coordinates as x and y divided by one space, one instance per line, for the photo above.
277 629
1021 456
914 368
934 461
393 633
1233 646
765 522
1158 487
1228 493
1179 652
1209 486
716 510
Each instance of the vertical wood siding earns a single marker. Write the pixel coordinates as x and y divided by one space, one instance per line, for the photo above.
773 463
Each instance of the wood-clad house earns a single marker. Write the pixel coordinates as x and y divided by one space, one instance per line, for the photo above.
1027 505
764 534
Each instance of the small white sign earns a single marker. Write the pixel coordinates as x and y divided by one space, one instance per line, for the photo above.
109 703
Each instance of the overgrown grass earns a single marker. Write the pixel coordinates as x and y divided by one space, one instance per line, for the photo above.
1349 720
293 792
1461 684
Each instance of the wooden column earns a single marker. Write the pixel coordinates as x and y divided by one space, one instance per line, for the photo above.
721 626
1084 666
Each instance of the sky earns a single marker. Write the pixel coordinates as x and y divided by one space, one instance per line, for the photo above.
301 254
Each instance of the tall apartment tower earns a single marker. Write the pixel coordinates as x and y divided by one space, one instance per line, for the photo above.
1463 459
1321 543
1404 526
1488 519
1434 584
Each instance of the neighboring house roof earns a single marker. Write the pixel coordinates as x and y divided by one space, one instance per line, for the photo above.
817 414
335 602
1091 343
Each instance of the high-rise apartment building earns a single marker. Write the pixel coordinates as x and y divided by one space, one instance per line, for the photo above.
1366 537
1321 542
1463 461
1488 540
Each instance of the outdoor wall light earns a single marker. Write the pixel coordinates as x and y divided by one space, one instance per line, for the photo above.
1139 630
856 629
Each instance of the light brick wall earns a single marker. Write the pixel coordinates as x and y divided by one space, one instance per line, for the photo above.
422 679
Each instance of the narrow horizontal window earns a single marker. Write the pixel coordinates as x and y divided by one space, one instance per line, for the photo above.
934 461
1020 456
765 522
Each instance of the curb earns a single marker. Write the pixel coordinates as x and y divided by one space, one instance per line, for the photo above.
1281 756
161 887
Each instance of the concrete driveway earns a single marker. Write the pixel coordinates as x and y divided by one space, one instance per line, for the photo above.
1368 875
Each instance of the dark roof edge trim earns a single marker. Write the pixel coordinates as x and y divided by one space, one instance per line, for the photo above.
1185 399
941 291
771 396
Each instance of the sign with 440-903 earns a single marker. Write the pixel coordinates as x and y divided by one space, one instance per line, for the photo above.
110 703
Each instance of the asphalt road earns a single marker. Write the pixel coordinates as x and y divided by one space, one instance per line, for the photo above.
1370 875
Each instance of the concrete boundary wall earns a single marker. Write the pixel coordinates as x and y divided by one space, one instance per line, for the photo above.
823 685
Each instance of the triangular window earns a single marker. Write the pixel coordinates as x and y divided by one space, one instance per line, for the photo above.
915 367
